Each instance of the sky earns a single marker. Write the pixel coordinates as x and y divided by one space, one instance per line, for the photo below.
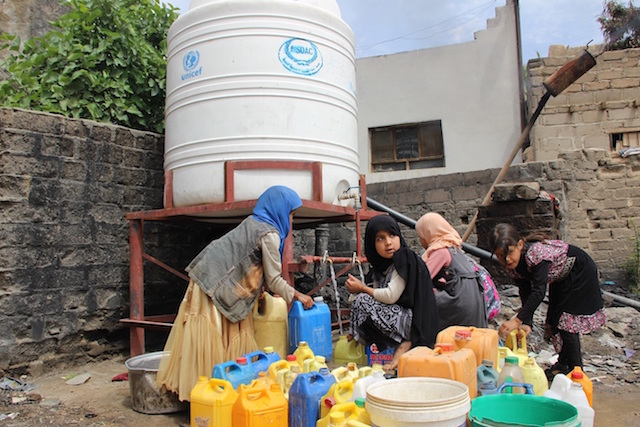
389 26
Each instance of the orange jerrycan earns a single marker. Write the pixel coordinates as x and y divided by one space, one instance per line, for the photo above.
270 321
482 341
442 362
212 402
578 376
339 392
260 406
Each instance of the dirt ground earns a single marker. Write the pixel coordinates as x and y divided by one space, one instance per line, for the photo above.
102 402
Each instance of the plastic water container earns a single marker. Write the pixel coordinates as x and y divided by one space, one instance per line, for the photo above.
577 397
503 353
349 372
519 349
259 406
578 376
559 387
258 361
276 367
270 323
511 373
347 411
274 81
482 341
534 375
236 372
418 402
303 353
290 377
360 386
304 398
315 364
442 362
487 378
349 351
312 326
212 402
263 378
340 392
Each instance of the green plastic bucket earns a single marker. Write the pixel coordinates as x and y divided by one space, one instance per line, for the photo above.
503 410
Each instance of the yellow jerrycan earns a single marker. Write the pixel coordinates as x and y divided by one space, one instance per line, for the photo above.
270 322
339 392
519 349
212 402
534 375
349 351
260 406
349 410
303 353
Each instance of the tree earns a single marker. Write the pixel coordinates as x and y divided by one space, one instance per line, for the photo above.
105 61
620 25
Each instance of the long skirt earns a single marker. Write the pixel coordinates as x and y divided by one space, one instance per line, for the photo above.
201 338
372 321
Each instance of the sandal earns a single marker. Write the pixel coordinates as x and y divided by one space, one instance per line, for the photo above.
556 369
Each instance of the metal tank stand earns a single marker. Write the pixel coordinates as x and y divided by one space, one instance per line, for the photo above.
312 213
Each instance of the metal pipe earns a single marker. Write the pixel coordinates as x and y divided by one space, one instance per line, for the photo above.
622 300
473 250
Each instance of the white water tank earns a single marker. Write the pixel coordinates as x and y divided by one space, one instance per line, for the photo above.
260 80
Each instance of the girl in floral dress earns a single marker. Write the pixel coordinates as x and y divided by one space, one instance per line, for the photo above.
575 299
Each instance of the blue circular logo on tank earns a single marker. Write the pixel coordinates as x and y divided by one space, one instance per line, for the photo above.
191 60
300 56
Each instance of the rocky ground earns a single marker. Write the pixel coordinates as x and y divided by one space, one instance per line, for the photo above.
611 360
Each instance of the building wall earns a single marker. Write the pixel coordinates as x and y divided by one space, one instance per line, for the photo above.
65 187
472 87
603 101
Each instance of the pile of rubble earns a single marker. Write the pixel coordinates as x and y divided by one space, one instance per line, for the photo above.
612 350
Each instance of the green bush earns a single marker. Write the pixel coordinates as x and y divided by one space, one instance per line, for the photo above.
620 25
105 61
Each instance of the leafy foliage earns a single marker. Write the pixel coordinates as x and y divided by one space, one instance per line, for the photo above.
620 25
105 61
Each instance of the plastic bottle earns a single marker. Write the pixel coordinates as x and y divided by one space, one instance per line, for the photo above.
578 376
534 375
303 352
559 387
360 387
511 372
577 397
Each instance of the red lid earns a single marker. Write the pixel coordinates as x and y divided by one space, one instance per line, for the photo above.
463 334
445 346
577 375
291 357
242 360
329 402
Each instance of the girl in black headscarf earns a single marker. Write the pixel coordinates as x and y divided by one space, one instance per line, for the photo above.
399 310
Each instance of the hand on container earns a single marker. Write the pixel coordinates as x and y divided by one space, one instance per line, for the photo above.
509 325
306 300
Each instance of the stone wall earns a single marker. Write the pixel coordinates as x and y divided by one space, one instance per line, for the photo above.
602 102
65 186
598 193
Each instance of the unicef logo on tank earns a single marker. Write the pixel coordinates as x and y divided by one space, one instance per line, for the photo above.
189 62
300 56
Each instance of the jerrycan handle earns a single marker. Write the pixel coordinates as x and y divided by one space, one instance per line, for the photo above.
528 387
344 387
513 340
254 393
219 385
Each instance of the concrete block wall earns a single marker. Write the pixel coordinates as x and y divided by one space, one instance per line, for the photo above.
599 195
65 186
602 101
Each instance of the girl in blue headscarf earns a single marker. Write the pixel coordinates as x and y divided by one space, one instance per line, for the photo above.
214 322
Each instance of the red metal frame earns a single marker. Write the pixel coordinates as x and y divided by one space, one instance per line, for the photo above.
138 322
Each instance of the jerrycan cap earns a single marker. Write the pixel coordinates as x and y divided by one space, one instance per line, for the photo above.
241 360
291 358
352 366
330 402
268 349
445 346
360 402
577 375
324 371
318 299
511 359
303 344
463 334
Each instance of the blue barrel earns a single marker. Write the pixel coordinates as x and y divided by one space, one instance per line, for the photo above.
260 361
236 372
304 398
313 326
